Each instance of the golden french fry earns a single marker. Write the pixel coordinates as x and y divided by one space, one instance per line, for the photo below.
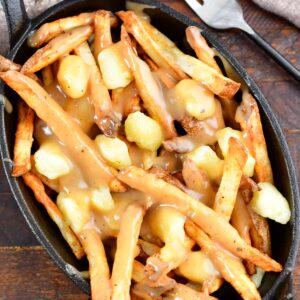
82 148
150 92
205 131
48 31
260 232
23 140
135 26
57 47
166 55
36 185
181 291
6 65
233 171
211 222
249 118
102 31
230 268
241 221
99 95
47 75
131 222
198 181
200 46
99 269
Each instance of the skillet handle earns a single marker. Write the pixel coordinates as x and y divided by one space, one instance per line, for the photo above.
16 18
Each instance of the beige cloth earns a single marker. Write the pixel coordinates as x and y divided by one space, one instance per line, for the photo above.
289 9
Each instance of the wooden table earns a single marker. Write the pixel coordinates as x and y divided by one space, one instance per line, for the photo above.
27 272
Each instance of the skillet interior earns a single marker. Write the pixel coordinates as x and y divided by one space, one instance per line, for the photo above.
284 238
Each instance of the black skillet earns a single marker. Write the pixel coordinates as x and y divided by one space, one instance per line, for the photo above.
284 238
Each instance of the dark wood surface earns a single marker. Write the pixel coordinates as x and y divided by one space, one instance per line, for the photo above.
27 272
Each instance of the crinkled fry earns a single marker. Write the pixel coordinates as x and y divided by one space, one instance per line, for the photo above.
232 174
103 37
200 46
183 292
166 55
23 140
136 27
99 95
93 166
230 268
260 232
7 64
241 221
36 185
57 47
98 266
249 118
48 31
47 75
150 92
211 222
131 222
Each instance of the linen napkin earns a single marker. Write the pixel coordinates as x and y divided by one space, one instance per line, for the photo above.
289 9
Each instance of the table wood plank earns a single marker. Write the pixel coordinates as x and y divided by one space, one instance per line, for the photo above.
27 272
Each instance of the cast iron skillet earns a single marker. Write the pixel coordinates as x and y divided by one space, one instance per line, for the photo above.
284 238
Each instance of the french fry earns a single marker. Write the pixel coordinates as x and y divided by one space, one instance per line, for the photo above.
233 171
150 92
211 222
198 181
230 268
164 175
99 269
23 140
7 64
36 185
126 242
48 31
99 95
102 31
94 168
200 46
241 221
47 75
135 26
181 291
260 232
166 55
249 118
57 47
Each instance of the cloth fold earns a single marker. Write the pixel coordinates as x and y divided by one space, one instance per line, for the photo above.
288 9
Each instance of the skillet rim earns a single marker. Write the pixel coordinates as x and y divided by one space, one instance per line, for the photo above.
274 124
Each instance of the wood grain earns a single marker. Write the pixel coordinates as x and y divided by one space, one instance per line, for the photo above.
28 273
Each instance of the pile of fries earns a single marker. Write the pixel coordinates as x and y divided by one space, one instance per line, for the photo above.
144 158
